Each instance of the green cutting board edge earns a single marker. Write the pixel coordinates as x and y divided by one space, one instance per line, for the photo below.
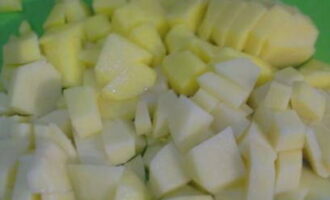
36 11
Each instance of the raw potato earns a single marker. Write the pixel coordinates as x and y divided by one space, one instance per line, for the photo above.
316 73
142 122
222 154
30 94
205 100
288 76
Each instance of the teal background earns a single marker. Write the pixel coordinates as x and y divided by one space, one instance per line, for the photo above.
36 11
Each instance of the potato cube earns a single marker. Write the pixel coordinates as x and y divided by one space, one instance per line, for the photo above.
60 118
182 70
76 10
167 171
31 94
119 141
323 136
83 110
205 100
143 123
106 7
223 89
316 73
288 76
97 27
137 166
308 102
111 109
94 181
222 155
56 16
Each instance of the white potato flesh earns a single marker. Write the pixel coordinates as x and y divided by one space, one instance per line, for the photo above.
143 123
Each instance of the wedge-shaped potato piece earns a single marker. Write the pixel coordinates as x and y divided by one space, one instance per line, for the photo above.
32 94
264 117
225 21
111 109
131 187
243 24
21 189
167 171
314 154
130 84
94 181
97 27
288 76
161 115
189 13
215 9
205 100
106 7
241 71
22 50
117 56
288 171
261 161
147 37
83 110
316 73
60 118
76 11
273 95
65 42
287 131
308 102
139 12
322 135
222 155
182 70
48 174
56 16
227 54
10 152
119 141
142 121
294 45
267 25
227 116
188 123
90 150
225 90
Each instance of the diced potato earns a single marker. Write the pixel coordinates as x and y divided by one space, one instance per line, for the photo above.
4 104
130 84
273 95
182 70
261 159
288 169
21 189
264 29
288 76
22 50
119 141
10 151
10 5
94 181
215 10
241 71
147 37
313 154
317 187
117 56
188 123
91 151
62 47
142 121
47 173
32 94
107 7
110 109
242 25
151 152
323 136
83 110
139 12
89 80
316 73
137 166
227 116
287 131
189 13
222 155
56 16
60 118
131 187
224 22
308 102
205 100
223 89
89 56
97 27
167 171
227 54
76 10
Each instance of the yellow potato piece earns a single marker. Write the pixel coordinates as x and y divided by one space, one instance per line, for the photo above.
317 74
